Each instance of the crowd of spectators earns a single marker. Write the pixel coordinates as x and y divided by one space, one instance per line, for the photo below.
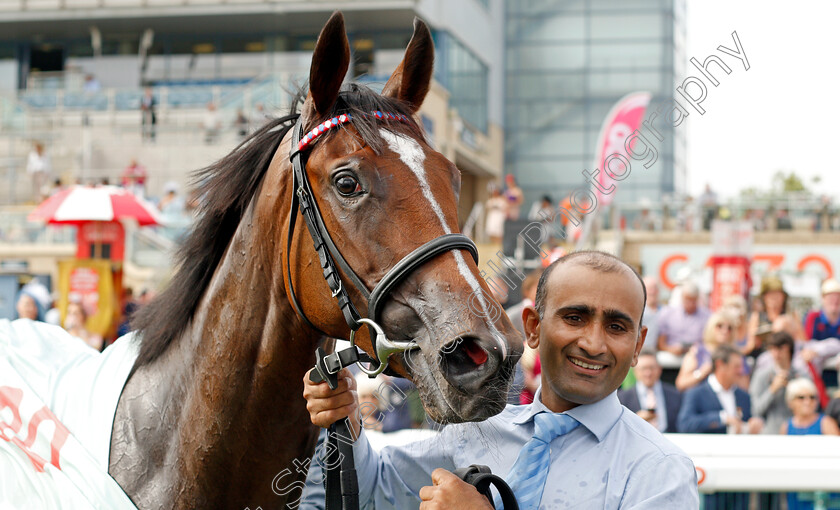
686 214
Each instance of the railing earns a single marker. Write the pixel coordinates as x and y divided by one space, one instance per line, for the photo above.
185 96
16 229
147 248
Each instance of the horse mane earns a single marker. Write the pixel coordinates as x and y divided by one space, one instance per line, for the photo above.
225 189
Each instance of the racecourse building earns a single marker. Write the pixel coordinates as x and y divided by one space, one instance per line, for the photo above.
567 64
72 74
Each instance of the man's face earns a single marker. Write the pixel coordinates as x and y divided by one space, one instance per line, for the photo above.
26 308
774 300
831 303
689 303
589 335
647 370
729 372
781 355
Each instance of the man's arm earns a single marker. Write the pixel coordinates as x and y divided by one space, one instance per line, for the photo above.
695 418
762 391
392 478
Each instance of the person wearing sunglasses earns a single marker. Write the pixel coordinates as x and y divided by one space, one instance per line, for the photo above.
697 363
801 396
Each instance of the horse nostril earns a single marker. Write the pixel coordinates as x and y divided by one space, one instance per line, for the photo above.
475 353
466 364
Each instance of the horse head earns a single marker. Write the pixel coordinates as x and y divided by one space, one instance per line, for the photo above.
384 192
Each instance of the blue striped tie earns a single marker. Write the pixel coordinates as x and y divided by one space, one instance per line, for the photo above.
528 474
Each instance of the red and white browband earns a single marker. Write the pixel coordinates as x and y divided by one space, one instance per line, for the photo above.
342 119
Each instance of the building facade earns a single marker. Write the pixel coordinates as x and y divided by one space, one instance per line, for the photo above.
568 62
184 48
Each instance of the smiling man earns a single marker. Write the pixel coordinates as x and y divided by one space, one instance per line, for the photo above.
575 446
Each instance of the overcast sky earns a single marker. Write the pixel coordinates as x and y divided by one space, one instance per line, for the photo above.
784 112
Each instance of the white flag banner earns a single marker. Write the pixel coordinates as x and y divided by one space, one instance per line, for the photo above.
57 403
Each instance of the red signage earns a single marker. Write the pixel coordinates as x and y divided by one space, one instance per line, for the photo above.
101 240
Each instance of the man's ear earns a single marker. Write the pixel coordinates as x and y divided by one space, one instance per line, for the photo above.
531 322
639 344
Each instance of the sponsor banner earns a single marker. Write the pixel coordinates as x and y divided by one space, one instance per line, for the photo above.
817 261
91 283
624 118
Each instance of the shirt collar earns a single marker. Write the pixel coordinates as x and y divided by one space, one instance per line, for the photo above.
641 389
598 418
716 386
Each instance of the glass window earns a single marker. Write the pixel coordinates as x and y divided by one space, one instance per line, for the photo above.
180 46
532 85
564 27
613 5
626 26
531 8
466 78
619 83
243 44
551 142
550 175
626 55
547 56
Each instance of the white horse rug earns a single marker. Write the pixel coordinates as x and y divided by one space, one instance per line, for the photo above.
57 403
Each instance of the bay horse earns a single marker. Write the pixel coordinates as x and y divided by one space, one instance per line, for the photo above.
213 408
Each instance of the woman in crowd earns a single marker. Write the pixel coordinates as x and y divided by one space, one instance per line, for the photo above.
496 211
801 396
697 363
774 316
737 306
27 306
74 323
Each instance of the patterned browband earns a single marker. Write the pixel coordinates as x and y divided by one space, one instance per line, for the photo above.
342 119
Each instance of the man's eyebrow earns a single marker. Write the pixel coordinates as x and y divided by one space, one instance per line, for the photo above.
610 314
618 315
581 309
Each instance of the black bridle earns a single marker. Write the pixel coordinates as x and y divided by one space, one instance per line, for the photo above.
331 261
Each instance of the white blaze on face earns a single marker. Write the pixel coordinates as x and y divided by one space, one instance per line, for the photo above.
413 156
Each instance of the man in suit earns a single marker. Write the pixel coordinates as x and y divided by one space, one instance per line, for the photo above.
719 406
654 401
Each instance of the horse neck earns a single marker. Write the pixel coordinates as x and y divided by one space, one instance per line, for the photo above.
240 365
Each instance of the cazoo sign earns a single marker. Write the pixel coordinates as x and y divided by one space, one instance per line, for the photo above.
665 261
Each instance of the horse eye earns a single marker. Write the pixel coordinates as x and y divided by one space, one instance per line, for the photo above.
347 185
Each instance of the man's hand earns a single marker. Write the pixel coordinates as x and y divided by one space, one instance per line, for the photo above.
734 422
450 492
754 425
647 415
779 382
808 355
328 406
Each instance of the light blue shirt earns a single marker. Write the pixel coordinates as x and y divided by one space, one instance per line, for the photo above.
614 460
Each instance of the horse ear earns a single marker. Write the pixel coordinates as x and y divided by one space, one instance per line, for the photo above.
329 64
412 78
